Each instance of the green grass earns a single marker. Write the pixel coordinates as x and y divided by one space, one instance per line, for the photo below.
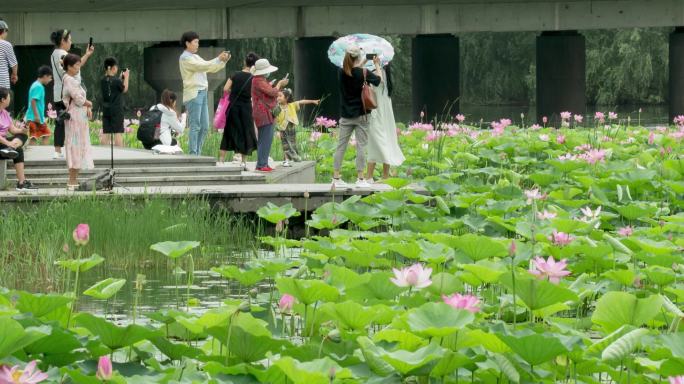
122 231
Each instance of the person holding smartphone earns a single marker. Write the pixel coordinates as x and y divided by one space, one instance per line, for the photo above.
113 87
62 41
194 69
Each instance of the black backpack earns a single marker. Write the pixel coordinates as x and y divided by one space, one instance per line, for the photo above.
148 131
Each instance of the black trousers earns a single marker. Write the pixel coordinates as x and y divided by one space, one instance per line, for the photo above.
24 138
59 126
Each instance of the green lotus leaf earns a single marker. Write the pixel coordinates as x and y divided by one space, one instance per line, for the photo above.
39 304
246 278
438 319
80 265
537 294
534 348
14 337
615 309
174 249
105 289
274 214
114 337
480 247
349 315
307 291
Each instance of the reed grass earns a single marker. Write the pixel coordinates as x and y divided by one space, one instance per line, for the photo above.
34 236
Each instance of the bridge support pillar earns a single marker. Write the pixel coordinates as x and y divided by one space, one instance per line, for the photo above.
676 84
161 72
561 74
315 76
435 76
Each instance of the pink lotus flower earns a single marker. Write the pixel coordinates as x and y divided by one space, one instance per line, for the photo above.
594 156
104 368
325 122
679 120
138 113
28 375
565 115
512 248
422 114
560 139
81 234
600 116
128 130
549 269
414 276
626 231
578 119
583 147
567 157
534 194
651 138
546 215
676 379
544 137
421 127
612 116
560 239
535 127
315 136
51 113
545 119
468 302
286 303
460 118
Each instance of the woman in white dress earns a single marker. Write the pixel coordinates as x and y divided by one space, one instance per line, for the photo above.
383 145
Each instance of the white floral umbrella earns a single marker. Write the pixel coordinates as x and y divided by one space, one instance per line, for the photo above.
367 43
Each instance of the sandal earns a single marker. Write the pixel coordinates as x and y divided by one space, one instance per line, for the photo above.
72 187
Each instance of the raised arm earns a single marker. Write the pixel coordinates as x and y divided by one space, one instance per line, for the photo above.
194 63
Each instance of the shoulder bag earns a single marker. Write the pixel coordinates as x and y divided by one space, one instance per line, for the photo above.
367 95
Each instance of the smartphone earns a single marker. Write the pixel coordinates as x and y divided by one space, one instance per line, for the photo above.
90 42
371 56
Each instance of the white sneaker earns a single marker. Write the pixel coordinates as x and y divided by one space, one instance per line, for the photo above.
361 183
58 155
286 163
339 183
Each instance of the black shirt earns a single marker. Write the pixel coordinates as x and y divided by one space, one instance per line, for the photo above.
112 99
350 90
241 90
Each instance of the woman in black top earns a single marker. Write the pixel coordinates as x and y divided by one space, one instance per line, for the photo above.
353 117
239 134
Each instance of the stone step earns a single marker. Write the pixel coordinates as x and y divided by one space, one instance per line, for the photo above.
34 173
142 181
155 162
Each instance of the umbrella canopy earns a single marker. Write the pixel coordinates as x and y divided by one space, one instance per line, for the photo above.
367 43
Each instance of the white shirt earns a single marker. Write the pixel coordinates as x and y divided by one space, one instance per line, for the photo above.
58 72
7 61
169 123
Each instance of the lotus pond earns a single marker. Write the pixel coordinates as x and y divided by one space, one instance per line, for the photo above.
503 255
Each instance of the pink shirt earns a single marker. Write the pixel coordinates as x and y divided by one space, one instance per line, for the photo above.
263 101
5 122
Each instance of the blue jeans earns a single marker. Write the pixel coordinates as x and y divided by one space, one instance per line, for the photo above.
198 122
264 142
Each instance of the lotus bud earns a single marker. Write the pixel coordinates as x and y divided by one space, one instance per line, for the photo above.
81 234
306 195
331 374
279 226
104 368
512 248
334 336
65 248
253 292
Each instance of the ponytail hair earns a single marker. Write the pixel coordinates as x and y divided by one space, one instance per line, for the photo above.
58 36
168 97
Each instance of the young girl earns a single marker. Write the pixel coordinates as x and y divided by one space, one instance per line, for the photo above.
286 121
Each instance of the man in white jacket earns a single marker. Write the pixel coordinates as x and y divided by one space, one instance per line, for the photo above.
193 71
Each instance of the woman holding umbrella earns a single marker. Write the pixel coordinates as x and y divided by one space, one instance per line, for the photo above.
353 115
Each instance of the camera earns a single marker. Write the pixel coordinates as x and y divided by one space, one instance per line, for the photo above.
63 116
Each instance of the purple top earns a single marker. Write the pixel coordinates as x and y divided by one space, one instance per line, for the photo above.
5 122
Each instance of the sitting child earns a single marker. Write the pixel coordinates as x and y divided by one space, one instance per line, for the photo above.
12 141
286 121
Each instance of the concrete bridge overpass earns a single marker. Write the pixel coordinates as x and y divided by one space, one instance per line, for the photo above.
434 25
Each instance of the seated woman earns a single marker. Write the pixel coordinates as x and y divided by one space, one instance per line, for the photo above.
170 125
12 140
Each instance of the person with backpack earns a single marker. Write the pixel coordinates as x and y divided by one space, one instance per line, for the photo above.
162 123
113 87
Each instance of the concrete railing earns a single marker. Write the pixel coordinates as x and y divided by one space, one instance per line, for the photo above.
3 174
